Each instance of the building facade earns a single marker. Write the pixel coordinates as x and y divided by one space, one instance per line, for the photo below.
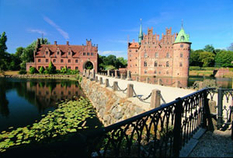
167 56
74 57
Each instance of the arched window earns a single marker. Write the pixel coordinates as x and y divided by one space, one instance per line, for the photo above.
156 55
181 64
181 55
182 38
145 71
167 64
155 64
145 63
167 56
155 72
145 55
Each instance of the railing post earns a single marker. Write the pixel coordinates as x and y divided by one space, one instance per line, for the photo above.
115 87
129 91
93 74
177 128
101 80
155 99
206 113
108 73
96 78
121 75
106 82
84 72
116 76
220 98
128 76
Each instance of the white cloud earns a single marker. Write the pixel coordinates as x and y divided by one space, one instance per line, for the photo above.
62 32
37 31
116 53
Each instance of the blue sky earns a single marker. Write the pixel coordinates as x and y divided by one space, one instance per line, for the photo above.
109 23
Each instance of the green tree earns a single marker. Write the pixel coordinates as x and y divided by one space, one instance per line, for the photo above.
41 69
194 58
224 59
51 68
207 59
209 48
3 54
27 54
32 70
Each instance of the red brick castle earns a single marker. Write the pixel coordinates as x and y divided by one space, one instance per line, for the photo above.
75 57
165 57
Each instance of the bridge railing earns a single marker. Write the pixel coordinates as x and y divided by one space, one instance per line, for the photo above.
160 132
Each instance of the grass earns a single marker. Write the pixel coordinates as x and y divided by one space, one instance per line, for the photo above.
9 73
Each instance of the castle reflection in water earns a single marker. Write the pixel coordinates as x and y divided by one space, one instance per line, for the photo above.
48 94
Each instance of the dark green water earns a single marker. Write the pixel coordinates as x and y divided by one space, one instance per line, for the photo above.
22 101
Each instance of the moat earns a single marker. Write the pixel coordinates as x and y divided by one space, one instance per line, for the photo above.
24 101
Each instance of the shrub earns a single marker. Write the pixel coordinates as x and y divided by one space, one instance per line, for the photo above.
51 68
46 71
41 70
64 70
32 70
22 71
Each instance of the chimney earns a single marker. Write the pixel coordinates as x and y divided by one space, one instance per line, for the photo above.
67 42
55 42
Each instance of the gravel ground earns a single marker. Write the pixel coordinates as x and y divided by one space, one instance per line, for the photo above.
214 144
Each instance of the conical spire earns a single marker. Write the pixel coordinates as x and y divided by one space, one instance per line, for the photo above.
140 36
182 36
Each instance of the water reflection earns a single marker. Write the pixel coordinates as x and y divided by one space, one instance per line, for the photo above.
22 101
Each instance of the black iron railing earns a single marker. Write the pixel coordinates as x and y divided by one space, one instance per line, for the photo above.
160 132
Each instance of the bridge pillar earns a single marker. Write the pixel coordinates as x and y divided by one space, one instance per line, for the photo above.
121 76
128 76
84 72
101 80
116 76
108 73
93 74
115 86
155 99
96 78
147 80
129 91
106 82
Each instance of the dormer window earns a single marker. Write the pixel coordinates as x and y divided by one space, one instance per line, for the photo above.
57 52
68 53
84 53
182 38
47 52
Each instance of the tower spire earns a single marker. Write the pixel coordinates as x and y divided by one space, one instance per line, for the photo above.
182 23
140 36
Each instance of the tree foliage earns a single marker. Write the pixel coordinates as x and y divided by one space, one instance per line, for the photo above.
51 69
209 48
230 48
3 54
111 62
224 59
207 59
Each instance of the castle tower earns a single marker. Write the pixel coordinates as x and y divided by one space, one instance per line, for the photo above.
140 36
181 51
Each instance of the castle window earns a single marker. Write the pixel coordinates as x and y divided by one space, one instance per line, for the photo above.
155 72
167 56
76 60
167 64
57 53
145 55
88 53
145 63
84 53
181 46
47 52
76 68
156 55
155 64
61 60
181 64
68 53
91 54
145 72
54 60
129 50
69 67
181 55
69 60
39 60
136 50
182 38
47 60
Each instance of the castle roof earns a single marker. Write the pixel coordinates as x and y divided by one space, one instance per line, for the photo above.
182 37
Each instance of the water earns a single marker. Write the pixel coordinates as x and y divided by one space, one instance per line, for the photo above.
22 101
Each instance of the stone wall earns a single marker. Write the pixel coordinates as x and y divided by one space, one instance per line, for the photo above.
109 106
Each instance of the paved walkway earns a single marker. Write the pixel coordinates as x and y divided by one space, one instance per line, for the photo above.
144 89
